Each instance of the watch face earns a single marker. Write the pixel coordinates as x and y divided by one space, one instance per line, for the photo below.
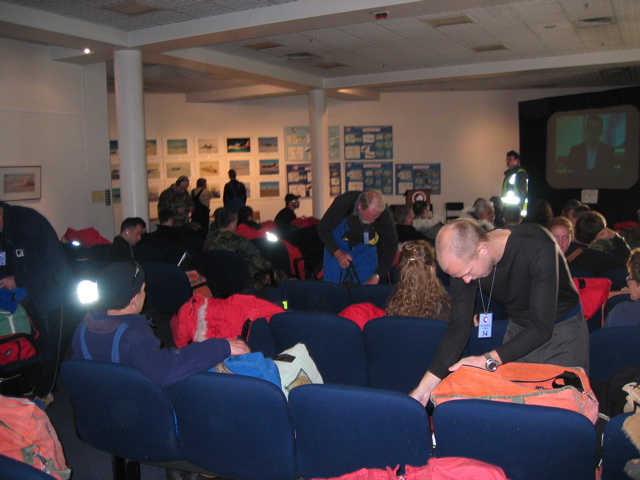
492 364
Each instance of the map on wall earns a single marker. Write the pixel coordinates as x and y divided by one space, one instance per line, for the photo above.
411 176
368 143
366 175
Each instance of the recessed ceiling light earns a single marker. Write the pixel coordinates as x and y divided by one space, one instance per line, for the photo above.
87 51
594 22
300 56
263 45
448 21
131 8
489 48
330 65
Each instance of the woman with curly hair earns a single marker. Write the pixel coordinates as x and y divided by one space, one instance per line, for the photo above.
419 292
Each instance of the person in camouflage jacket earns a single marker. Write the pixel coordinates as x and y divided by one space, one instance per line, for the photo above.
178 199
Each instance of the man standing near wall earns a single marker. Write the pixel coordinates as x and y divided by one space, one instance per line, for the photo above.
358 227
31 257
234 195
177 198
515 186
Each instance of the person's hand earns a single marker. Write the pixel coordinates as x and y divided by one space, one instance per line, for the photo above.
8 283
374 280
239 347
421 395
605 234
422 392
475 361
342 258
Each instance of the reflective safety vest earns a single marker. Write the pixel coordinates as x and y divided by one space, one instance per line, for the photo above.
515 188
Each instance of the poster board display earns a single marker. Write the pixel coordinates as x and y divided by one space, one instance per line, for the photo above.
368 143
366 175
298 143
411 176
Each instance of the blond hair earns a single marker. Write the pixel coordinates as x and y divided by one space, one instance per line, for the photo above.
419 292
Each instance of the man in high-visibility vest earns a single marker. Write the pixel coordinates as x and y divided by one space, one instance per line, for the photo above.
515 187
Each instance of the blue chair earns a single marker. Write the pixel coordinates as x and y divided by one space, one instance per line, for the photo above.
15 470
618 277
334 343
617 449
400 349
480 346
120 411
260 339
376 294
579 272
342 429
315 296
226 272
235 426
168 287
278 254
528 442
598 319
612 348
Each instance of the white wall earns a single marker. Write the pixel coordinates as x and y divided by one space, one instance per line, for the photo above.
55 115
468 133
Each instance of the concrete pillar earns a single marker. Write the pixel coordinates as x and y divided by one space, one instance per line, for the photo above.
319 132
131 134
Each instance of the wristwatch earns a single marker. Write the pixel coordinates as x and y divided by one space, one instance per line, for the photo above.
492 363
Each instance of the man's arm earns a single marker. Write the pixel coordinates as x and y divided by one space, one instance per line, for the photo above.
341 207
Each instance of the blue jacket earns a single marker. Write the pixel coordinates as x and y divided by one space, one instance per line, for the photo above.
34 256
140 348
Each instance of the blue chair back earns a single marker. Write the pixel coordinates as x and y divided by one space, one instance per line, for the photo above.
226 272
334 343
314 296
168 287
480 346
400 349
579 272
260 339
15 470
617 449
598 318
612 348
528 442
341 429
276 253
376 294
235 426
120 411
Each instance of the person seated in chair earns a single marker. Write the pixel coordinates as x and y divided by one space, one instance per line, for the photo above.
628 313
596 248
403 216
121 295
131 230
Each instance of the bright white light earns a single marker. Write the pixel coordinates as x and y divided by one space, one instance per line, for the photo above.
271 237
75 243
87 51
87 291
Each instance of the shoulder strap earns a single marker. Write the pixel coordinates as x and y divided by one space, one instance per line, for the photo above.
574 254
115 348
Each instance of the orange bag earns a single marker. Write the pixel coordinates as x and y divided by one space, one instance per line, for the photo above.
528 383
26 434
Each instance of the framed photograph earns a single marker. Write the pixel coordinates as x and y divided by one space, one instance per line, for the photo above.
177 169
267 144
153 171
207 146
242 167
238 145
177 146
209 168
151 147
269 189
113 147
270 167
20 183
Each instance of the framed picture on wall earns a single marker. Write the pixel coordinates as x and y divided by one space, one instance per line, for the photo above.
207 146
242 167
151 147
209 168
270 166
269 189
177 146
153 171
267 144
20 183
177 169
239 145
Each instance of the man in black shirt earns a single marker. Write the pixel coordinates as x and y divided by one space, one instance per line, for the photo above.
287 215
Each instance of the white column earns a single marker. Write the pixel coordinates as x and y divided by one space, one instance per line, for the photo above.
319 130
131 134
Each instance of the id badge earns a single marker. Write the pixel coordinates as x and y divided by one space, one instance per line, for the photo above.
486 321
3 259
366 237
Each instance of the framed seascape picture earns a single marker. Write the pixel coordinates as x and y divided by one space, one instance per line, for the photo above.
20 183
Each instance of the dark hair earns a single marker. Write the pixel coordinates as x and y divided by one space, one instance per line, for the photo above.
201 182
419 208
579 210
570 204
165 215
514 154
232 174
223 217
588 225
244 214
402 214
512 214
132 222
540 213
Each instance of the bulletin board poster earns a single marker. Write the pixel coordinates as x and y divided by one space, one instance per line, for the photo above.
368 143
299 179
297 142
365 175
411 176
335 179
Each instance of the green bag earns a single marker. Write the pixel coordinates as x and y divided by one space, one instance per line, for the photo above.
18 322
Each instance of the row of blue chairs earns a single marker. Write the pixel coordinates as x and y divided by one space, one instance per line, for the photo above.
243 428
